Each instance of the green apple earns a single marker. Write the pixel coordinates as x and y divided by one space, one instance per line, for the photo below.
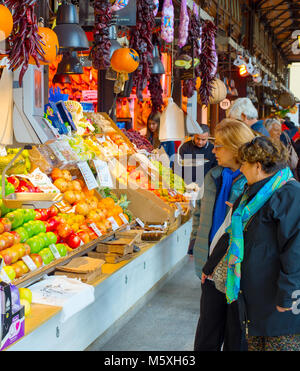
28 214
45 238
46 255
62 249
16 218
35 244
39 226
23 234
52 237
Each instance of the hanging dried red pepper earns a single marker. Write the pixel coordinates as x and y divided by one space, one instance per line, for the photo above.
141 41
156 92
24 40
101 49
208 61
195 43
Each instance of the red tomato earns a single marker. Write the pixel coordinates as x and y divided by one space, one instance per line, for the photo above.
73 241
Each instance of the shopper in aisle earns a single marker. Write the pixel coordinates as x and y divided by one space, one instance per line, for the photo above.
222 184
274 128
198 148
263 257
244 110
153 124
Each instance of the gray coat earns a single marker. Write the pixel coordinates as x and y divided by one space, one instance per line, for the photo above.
212 186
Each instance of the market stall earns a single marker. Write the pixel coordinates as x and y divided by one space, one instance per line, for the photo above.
87 205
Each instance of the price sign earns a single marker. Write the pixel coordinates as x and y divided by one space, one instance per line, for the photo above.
140 223
29 262
122 217
54 251
114 224
103 173
95 229
88 176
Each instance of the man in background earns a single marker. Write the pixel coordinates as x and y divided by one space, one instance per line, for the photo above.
198 153
244 110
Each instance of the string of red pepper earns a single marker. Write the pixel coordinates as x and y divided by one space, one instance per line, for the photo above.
100 52
208 61
141 41
24 40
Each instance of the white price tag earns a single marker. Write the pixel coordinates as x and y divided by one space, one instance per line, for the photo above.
54 251
4 277
103 173
3 151
122 217
114 224
87 174
177 213
140 223
95 229
101 139
29 262
179 208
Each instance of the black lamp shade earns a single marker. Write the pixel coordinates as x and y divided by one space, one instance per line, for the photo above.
158 67
61 79
70 35
70 65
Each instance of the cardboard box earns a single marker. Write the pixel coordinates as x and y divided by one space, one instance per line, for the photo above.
12 325
146 206
109 257
85 268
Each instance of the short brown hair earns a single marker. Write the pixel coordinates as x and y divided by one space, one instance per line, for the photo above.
272 156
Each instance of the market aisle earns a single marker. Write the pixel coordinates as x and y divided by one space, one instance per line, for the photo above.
167 322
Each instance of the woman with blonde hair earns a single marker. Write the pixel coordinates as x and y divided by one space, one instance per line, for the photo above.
263 251
222 185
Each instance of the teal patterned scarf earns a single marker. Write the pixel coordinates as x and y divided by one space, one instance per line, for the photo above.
240 218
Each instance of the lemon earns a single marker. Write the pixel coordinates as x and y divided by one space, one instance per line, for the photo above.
27 306
25 294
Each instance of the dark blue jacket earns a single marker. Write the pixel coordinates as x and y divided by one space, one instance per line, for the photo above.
260 128
271 264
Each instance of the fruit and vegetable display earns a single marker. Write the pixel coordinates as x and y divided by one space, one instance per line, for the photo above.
38 234
169 178
23 185
22 164
139 140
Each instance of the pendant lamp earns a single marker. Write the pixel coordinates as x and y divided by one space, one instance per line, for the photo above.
158 68
113 39
70 34
61 79
70 64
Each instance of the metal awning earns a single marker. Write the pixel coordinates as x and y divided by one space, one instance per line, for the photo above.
282 19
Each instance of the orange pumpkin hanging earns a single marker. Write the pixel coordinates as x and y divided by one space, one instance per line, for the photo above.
125 60
6 22
49 44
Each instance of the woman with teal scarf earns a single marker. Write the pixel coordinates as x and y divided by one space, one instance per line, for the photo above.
263 257
222 185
